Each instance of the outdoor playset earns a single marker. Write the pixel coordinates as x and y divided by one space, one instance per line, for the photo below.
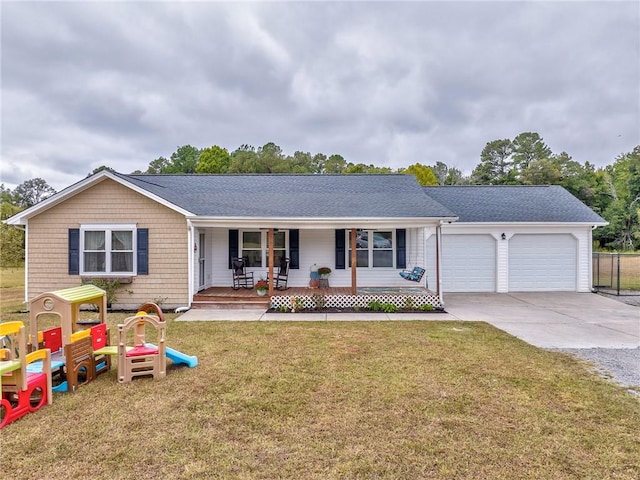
64 357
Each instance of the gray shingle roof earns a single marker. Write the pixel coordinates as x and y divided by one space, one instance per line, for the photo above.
506 203
294 196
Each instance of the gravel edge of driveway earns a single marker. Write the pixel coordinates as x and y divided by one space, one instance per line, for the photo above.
620 365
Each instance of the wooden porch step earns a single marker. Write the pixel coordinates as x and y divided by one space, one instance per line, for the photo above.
230 301
222 305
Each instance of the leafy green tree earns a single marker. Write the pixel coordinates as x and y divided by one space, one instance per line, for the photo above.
11 238
423 174
318 162
5 194
159 165
244 160
527 147
183 160
455 177
270 159
31 192
495 167
334 164
301 162
362 168
213 159
623 212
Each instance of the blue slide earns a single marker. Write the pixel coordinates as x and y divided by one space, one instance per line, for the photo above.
178 357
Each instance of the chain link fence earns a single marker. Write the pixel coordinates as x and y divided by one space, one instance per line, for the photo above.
616 273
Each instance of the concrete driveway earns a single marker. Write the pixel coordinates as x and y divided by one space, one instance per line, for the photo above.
553 320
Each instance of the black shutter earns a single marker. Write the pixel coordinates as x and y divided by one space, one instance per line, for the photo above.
74 251
401 248
143 251
340 249
233 245
294 249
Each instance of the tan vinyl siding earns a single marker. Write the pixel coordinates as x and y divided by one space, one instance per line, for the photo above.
109 202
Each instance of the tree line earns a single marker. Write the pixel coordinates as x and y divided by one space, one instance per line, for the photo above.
612 191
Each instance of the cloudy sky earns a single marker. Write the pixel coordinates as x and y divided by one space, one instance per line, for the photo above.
121 83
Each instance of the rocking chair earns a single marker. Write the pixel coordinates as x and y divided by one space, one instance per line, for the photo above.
414 275
240 277
281 276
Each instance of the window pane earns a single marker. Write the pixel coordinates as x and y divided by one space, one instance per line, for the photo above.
253 257
94 241
277 254
122 262
382 240
251 240
383 258
94 262
362 257
278 240
122 240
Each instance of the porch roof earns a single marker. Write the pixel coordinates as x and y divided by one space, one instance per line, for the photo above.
295 198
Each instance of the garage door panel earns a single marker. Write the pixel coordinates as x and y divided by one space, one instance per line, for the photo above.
468 263
542 263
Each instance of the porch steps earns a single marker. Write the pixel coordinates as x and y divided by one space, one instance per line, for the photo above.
223 302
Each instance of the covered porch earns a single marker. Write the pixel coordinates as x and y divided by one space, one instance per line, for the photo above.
305 298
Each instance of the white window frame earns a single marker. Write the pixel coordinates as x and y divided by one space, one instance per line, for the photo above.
107 229
263 245
370 249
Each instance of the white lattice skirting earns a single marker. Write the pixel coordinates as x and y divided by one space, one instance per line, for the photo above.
319 301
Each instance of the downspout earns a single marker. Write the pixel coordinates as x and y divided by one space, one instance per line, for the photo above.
590 285
190 259
26 260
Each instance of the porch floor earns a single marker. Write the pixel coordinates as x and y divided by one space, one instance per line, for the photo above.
227 297
228 292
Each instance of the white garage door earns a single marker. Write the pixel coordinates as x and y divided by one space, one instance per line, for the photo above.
539 263
468 263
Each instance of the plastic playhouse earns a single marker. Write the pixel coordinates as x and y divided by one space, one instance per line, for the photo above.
22 392
74 353
73 342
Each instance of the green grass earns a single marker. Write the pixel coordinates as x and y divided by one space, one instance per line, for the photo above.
11 289
337 400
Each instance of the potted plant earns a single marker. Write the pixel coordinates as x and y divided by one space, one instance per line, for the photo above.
261 287
324 272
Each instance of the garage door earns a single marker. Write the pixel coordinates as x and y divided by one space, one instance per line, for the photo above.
468 263
539 263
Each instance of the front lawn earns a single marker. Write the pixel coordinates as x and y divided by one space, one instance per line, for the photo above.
342 400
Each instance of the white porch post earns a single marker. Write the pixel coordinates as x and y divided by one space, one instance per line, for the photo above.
438 261
271 259
354 263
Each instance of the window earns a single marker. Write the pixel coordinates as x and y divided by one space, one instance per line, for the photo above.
254 246
108 249
373 248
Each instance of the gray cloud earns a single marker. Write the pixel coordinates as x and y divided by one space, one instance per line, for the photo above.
119 83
